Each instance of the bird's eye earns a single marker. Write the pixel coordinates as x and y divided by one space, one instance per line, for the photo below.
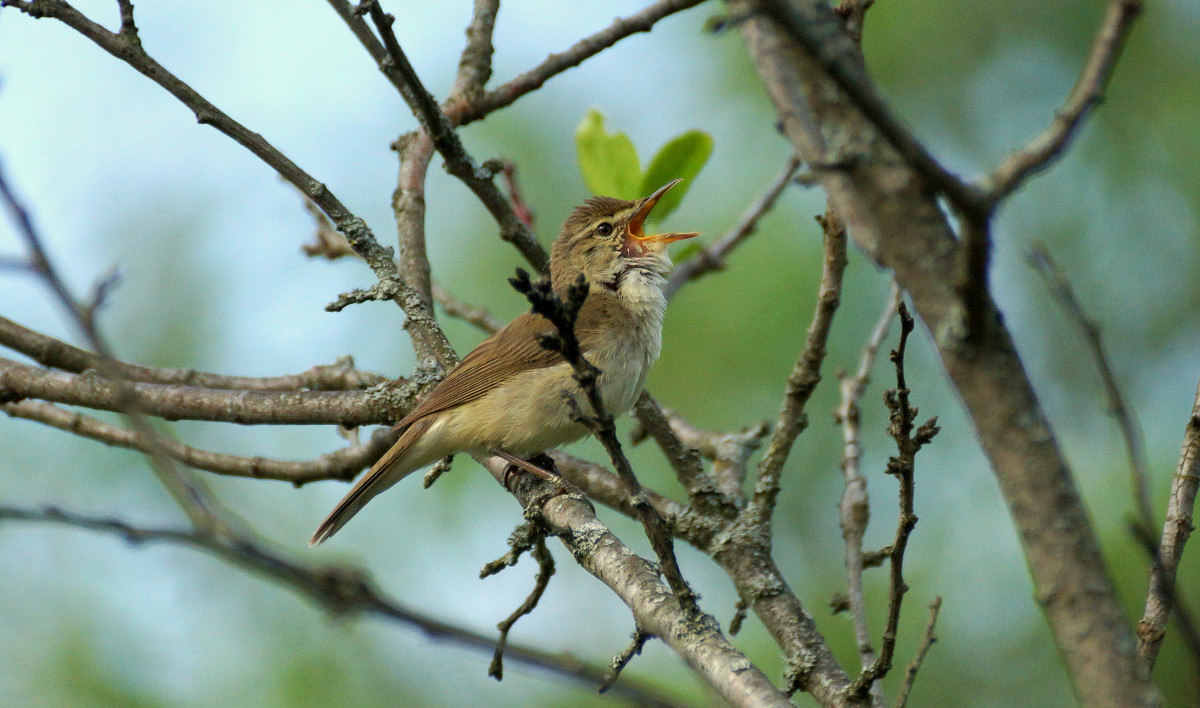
604 229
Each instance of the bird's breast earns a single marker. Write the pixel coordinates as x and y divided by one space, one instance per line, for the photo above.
631 344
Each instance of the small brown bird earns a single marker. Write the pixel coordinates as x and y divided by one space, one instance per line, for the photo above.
506 396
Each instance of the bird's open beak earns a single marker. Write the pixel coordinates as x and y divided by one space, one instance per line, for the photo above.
637 240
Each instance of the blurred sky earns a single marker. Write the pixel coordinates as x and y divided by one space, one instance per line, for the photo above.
207 240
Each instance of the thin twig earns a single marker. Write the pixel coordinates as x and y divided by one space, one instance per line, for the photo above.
458 162
559 62
481 317
684 460
903 417
189 492
340 590
341 464
1135 445
509 172
541 554
1176 529
806 374
854 508
910 672
729 451
713 257
1040 152
57 354
620 661
128 49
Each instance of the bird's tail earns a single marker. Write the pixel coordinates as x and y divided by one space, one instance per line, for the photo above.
390 468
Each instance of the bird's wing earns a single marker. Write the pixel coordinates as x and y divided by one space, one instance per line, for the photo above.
499 357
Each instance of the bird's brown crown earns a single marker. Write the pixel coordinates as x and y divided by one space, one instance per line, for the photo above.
591 240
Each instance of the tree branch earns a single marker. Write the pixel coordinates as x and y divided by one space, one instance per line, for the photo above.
806 374
684 460
910 673
557 63
903 466
814 26
128 49
1135 447
729 451
1176 529
694 636
339 590
189 493
854 508
458 162
341 464
178 402
713 257
481 317
57 354
895 218
475 63
1052 143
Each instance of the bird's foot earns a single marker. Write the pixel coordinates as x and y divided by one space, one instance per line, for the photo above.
528 466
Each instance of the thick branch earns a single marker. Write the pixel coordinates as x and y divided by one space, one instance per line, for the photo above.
695 636
813 26
176 402
894 218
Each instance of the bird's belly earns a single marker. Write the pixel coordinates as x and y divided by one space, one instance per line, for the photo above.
529 412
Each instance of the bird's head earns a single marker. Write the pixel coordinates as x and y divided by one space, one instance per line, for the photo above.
604 239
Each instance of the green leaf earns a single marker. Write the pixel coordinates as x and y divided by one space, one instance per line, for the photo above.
608 161
683 157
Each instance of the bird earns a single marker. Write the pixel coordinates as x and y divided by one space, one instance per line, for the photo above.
508 395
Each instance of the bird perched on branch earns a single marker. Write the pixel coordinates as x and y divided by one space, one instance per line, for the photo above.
507 396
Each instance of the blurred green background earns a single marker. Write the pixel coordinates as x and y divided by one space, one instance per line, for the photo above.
208 242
